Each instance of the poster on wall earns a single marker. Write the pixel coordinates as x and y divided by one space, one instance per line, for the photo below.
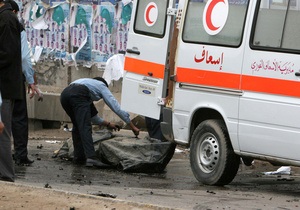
52 2
80 29
30 12
123 27
85 33
103 28
47 28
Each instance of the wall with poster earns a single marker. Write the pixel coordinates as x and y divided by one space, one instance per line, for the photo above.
71 40
82 33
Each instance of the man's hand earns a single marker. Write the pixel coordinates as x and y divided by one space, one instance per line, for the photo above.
113 126
136 131
1 127
34 90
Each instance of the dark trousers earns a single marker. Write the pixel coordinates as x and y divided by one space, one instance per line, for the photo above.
153 128
75 100
7 171
20 127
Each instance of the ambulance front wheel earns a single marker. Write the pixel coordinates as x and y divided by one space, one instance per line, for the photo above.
213 161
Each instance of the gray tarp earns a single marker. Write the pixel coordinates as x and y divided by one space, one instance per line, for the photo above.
127 153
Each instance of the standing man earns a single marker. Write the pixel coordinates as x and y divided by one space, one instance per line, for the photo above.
77 100
10 83
20 114
1 123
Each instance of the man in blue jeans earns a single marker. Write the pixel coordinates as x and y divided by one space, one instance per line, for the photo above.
77 100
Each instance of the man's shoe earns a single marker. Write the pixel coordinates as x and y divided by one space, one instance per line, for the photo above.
79 161
24 161
97 163
6 179
247 161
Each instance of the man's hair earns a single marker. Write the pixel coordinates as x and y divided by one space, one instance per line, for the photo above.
13 4
99 79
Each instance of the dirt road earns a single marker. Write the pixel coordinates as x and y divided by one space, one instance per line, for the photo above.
21 196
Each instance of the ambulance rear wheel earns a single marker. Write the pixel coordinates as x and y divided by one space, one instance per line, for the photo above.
212 159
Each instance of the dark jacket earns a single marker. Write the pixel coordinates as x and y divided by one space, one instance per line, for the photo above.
11 79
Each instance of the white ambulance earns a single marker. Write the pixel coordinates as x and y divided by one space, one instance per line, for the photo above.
226 76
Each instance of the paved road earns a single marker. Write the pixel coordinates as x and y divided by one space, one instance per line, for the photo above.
175 188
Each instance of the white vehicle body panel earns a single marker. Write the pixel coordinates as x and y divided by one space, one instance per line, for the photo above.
251 80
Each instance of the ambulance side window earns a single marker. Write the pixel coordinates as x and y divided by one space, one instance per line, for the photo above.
277 25
195 23
150 17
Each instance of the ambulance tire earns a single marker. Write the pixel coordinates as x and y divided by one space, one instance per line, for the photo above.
212 159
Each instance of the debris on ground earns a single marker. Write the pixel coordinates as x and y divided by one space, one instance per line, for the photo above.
283 170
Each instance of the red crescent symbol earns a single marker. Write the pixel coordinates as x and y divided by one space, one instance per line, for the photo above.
147 14
210 8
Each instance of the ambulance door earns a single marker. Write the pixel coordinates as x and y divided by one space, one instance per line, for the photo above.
146 57
270 107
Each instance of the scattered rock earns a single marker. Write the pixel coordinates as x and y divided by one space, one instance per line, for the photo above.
47 186
39 146
104 195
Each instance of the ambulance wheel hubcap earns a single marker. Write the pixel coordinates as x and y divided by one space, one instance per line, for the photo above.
209 153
